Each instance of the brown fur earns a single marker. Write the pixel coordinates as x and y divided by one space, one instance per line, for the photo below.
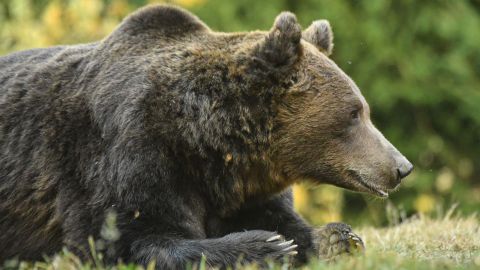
191 137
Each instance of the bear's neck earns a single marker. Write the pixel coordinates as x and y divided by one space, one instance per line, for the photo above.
231 183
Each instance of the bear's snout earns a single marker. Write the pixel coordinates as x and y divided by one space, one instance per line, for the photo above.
404 168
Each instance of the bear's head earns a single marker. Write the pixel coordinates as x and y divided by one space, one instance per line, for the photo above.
322 129
272 104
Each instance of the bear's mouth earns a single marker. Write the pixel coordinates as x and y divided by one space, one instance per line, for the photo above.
373 189
365 186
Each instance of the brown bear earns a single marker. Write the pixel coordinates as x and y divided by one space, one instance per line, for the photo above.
190 137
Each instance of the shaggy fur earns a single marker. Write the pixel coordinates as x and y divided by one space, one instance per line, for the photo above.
189 136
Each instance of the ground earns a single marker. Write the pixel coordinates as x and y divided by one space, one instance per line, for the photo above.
419 243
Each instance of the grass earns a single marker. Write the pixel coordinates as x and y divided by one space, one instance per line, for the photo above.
452 242
419 243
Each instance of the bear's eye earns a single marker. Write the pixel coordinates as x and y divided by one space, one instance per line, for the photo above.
355 114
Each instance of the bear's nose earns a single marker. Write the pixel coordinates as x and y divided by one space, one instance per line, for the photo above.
405 169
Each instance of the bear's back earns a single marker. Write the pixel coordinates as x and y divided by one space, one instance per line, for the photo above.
18 69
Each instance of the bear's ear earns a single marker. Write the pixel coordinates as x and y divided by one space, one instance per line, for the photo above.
320 34
281 46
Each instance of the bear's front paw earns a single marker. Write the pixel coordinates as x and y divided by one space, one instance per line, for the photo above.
336 238
258 246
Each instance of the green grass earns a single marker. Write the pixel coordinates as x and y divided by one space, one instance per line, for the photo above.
419 243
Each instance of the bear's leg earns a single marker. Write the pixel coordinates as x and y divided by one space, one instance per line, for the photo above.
235 248
77 226
277 214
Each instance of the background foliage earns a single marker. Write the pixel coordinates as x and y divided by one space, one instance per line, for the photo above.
417 63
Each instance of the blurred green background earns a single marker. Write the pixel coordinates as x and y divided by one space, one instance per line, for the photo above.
417 63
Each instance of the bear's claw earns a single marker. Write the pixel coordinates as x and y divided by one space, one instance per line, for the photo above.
286 243
274 238
290 248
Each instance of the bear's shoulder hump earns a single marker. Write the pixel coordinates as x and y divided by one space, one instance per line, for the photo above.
166 19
